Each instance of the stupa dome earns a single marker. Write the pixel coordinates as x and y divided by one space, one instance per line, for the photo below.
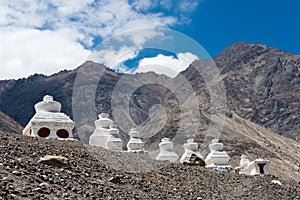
190 149
244 161
113 129
217 158
134 133
216 147
256 167
135 143
49 122
166 151
47 105
103 121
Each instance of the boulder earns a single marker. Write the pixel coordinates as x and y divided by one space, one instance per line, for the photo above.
57 161
194 160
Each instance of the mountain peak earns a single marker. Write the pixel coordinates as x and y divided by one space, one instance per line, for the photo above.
242 51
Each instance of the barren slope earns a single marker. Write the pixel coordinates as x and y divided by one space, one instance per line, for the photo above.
90 178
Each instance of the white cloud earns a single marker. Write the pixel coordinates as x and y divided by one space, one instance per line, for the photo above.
24 52
89 17
143 4
188 6
168 65
114 58
70 26
115 51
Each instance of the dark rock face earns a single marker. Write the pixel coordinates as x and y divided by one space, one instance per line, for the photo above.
263 85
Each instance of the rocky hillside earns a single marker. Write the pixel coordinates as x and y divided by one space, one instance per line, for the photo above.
90 176
19 96
8 125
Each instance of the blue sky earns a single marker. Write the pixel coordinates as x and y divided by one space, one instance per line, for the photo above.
217 24
49 36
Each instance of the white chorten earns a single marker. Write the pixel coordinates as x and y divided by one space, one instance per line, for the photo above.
256 167
113 141
244 161
190 148
49 122
166 151
135 143
217 158
100 135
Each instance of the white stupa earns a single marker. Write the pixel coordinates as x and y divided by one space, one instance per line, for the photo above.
113 141
166 151
100 135
256 167
244 161
49 122
217 158
190 148
135 143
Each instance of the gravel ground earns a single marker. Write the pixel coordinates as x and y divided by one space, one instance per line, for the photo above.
96 173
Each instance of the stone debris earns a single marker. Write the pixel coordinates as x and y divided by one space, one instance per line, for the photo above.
91 178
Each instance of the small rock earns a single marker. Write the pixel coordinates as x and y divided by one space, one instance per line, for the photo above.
37 189
17 173
57 161
194 160
276 182
43 184
115 179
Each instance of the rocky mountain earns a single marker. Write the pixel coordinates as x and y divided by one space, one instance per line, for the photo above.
262 103
8 125
263 85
